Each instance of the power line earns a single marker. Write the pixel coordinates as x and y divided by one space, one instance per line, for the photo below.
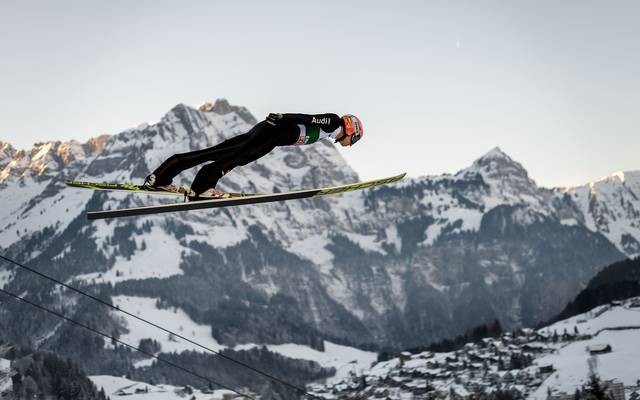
57 314
241 363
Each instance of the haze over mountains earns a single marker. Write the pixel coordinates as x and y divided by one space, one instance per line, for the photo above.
391 267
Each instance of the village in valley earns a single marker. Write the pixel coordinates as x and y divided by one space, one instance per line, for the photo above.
556 362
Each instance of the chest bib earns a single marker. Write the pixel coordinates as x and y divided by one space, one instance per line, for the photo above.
311 134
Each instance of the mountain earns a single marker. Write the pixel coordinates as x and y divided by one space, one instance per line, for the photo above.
391 267
45 159
610 206
7 152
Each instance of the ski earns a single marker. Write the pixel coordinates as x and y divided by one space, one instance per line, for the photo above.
236 201
129 187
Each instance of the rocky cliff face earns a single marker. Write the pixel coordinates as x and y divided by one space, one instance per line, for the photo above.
391 267
610 206
45 159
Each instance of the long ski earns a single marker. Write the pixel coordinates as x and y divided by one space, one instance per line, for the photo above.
254 199
132 188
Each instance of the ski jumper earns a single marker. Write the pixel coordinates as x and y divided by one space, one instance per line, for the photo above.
276 130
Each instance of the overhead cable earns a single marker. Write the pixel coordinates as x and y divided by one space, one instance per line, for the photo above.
118 309
97 332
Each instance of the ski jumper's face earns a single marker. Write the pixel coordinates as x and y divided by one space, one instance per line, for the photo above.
346 141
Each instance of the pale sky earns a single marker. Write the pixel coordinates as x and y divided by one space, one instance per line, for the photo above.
555 84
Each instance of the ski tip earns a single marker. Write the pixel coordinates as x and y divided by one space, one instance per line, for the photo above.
398 177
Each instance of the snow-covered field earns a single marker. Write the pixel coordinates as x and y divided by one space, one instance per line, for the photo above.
615 325
572 371
114 387
602 317
343 358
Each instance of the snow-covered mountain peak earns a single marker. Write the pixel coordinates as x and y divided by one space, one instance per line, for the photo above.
611 206
507 182
45 158
98 143
496 164
620 180
631 179
42 157
221 106
7 152
628 179
73 150
619 175
5 148
495 153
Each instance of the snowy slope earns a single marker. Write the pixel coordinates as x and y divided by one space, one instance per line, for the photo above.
115 387
172 319
30 188
5 375
161 260
617 326
572 371
344 359
598 319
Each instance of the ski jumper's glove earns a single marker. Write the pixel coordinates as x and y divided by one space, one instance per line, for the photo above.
273 118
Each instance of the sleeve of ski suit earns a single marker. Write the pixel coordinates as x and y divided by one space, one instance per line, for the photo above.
328 122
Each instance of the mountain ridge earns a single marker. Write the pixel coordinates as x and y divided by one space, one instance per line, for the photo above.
491 162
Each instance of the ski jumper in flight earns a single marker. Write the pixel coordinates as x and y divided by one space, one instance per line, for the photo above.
276 130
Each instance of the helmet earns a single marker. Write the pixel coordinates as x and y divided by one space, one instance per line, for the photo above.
352 127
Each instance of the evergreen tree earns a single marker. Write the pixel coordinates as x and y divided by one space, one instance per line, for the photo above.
500 364
29 388
515 361
595 390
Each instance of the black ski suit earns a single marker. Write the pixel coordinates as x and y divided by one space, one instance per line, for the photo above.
276 130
